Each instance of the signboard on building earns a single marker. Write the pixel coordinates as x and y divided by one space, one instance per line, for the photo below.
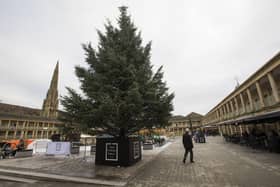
136 150
111 152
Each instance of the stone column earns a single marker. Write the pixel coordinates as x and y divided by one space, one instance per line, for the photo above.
22 133
231 131
250 99
220 130
6 134
48 130
242 103
226 129
15 132
260 94
273 87
33 133
236 106
25 127
232 108
226 111
36 125
221 113
229 110
241 130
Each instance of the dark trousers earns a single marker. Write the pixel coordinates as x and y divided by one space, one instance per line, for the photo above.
187 150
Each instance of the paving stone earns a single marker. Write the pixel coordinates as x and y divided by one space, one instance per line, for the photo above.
216 164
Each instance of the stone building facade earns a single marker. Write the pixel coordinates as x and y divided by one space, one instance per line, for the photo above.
178 124
253 104
24 122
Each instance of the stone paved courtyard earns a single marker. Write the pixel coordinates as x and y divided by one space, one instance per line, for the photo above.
217 163
75 166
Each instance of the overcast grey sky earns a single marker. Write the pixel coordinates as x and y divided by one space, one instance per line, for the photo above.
203 45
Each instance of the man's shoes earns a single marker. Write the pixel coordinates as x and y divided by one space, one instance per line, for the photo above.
192 161
184 161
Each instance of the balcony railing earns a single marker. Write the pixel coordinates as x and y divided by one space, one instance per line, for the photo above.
4 127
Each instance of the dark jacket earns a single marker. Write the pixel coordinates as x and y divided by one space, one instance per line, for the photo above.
187 141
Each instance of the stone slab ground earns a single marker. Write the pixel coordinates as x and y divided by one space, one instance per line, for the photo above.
217 163
83 169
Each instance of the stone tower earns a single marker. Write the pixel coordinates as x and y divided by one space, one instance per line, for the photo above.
50 105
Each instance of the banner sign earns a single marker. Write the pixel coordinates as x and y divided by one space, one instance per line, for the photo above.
111 152
58 148
136 150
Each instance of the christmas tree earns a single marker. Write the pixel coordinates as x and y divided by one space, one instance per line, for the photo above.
121 94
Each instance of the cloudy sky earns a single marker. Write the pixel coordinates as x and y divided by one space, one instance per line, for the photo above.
203 45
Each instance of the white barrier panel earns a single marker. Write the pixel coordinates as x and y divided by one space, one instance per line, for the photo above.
39 145
58 148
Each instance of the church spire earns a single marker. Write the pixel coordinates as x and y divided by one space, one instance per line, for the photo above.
50 105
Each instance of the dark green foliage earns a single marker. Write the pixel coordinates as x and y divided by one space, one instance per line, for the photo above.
121 94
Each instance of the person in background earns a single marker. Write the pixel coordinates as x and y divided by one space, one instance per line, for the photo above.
273 141
188 145
20 146
196 136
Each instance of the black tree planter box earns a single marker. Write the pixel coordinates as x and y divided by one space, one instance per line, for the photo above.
117 152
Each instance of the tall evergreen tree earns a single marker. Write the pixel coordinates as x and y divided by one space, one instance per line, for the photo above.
121 94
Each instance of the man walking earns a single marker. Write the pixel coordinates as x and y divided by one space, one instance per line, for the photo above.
188 145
